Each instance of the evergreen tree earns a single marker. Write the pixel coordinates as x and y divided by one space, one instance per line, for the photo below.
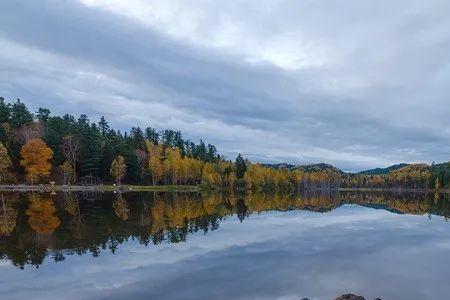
137 138
211 154
200 151
103 126
20 115
5 112
43 114
152 135
90 138
241 167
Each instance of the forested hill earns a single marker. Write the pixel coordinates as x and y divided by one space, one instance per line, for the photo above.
319 167
382 171
310 168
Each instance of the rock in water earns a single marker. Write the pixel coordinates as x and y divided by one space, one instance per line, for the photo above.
350 297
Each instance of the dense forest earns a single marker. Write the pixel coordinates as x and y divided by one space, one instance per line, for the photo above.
41 148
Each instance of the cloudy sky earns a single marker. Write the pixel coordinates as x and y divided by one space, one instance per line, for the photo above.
358 84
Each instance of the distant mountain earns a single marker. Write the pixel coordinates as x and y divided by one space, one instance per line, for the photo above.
440 166
305 168
383 171
319 167
280 166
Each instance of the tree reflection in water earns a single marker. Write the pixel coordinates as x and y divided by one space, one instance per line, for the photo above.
38 226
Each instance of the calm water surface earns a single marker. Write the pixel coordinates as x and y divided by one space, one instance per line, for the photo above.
210 246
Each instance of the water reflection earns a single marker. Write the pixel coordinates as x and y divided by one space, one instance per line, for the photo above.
34 226
222 246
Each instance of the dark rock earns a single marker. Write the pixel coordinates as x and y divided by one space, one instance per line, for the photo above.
350 297
304 299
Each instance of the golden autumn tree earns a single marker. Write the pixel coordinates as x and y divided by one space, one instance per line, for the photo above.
121 207
66 171
42 218
210 176
5 163
8 216
437 184
172 164
36 156
154 161
118 169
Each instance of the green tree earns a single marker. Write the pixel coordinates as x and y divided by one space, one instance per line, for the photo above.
241 167
5 112
43 114
103 126
152 135
20 115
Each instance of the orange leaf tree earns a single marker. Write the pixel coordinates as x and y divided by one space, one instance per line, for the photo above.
36 156
42 216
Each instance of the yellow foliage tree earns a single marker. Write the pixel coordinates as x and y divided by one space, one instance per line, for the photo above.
210 176
66 171
172 164
8 217
154 163
5 163
121 207
36 156
437 184
118 169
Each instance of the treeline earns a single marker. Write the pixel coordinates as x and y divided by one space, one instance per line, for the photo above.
41 147
415 176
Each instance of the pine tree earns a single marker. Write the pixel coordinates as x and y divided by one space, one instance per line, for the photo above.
200 151
241 167
103 126
5 111
43 114
137 138
151 135
20 115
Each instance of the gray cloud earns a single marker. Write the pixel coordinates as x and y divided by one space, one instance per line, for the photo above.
356 84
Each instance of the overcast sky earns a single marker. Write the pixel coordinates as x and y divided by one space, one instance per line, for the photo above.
357 84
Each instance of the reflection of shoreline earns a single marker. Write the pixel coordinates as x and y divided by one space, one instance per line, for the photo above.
98 188
35 226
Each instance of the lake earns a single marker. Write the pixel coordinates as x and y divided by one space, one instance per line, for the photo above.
224 246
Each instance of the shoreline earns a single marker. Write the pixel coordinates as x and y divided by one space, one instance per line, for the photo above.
99 188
